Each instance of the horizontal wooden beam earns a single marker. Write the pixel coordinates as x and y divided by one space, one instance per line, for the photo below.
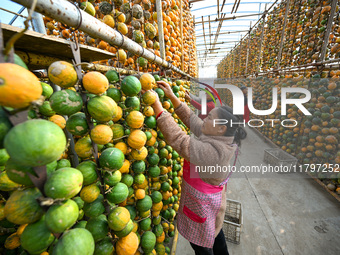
52 46
41 61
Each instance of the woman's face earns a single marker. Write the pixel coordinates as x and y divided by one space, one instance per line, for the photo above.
208 125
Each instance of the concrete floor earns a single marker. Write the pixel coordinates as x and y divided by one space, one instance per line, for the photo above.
282 213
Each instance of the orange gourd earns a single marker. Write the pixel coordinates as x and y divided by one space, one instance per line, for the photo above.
137 139
101 134
95 82
62 74
18 86
127 245
135 119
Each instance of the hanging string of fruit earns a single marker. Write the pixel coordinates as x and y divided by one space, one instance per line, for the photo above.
315 139
139 173
138 21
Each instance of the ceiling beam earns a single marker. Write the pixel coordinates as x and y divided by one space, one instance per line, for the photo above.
233 7
225 33
246 3
205 43
194 1
239 1
210 58
216 49
218 30
217 43
210 30
222 5
229 18
219 52
262 17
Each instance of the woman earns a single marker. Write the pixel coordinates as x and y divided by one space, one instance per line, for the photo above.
196 102
203 198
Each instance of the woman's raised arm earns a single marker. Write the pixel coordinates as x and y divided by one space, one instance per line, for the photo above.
188 117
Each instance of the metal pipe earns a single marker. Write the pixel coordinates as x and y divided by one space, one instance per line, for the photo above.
70 15
160 28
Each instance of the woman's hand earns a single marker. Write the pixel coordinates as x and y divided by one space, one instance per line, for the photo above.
169 93
187 96
157 105
167 89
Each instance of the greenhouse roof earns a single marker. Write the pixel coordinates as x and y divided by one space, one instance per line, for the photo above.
228 24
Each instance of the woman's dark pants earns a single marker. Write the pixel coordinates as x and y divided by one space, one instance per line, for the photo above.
220 247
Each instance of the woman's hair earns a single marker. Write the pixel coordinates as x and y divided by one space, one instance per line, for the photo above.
209 98
225 112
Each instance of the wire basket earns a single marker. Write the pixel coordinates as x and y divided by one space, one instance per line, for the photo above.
233 221
278 157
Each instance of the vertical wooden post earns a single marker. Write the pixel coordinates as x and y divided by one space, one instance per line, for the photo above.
181 31
239 58
160 28
261 40
205 42
283 35
247 58
209 30
233 60
328 31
